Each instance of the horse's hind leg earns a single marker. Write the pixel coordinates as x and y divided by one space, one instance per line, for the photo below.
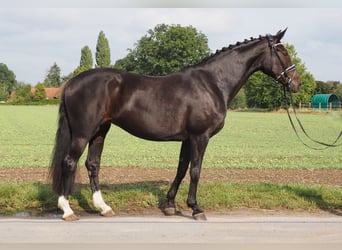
93 166
184 159
68 176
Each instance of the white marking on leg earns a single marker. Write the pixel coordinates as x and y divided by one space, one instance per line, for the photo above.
64 205
99 203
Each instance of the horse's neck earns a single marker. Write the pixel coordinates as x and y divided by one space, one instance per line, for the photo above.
233 68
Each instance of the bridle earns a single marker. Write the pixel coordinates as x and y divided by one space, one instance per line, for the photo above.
284 76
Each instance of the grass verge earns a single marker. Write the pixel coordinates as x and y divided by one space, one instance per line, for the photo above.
37 198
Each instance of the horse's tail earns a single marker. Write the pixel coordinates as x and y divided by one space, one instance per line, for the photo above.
61 148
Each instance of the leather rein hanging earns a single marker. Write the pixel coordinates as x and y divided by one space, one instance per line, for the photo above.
326 145
288 80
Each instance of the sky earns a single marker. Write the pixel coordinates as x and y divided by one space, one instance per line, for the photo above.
34 37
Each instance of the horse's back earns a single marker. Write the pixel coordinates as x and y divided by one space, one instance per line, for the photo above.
154 108
166 108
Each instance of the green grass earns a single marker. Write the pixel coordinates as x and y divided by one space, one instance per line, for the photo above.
248 140
37 198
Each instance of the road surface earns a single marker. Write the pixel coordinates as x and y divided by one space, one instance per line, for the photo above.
322 232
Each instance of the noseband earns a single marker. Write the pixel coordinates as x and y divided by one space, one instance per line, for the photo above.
284 75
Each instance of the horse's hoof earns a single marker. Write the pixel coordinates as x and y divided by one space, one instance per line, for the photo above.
71 217
170 211
199 216
109 213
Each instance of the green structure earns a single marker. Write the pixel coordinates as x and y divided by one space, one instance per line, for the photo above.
325 101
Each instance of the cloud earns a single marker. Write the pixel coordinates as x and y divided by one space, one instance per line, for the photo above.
32 39
173 4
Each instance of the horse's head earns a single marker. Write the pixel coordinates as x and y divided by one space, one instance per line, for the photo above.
278 63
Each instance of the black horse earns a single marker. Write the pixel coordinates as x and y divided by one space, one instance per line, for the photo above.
189 106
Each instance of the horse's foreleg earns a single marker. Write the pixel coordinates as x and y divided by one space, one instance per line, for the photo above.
184 159
68 177
93 166
198 146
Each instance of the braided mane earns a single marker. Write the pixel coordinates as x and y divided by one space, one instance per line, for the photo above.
224 49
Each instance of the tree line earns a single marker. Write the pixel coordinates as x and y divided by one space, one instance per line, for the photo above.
53 79
167 49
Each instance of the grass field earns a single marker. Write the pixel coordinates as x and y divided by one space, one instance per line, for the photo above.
248 140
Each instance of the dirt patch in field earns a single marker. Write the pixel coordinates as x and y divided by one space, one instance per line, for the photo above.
118 175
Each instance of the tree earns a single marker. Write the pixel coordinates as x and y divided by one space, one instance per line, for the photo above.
239 101
23 94
164 50
322 88
308 87
7 82
338 91
86 60
77 71
3 92
53 78
39 94
329 87
102 51
264 92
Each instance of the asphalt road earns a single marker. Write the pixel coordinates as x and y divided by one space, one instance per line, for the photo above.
217 231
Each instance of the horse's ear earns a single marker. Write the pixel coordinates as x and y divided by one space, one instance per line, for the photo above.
280 35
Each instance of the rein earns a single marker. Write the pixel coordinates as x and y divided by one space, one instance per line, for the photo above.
326 145
288 80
